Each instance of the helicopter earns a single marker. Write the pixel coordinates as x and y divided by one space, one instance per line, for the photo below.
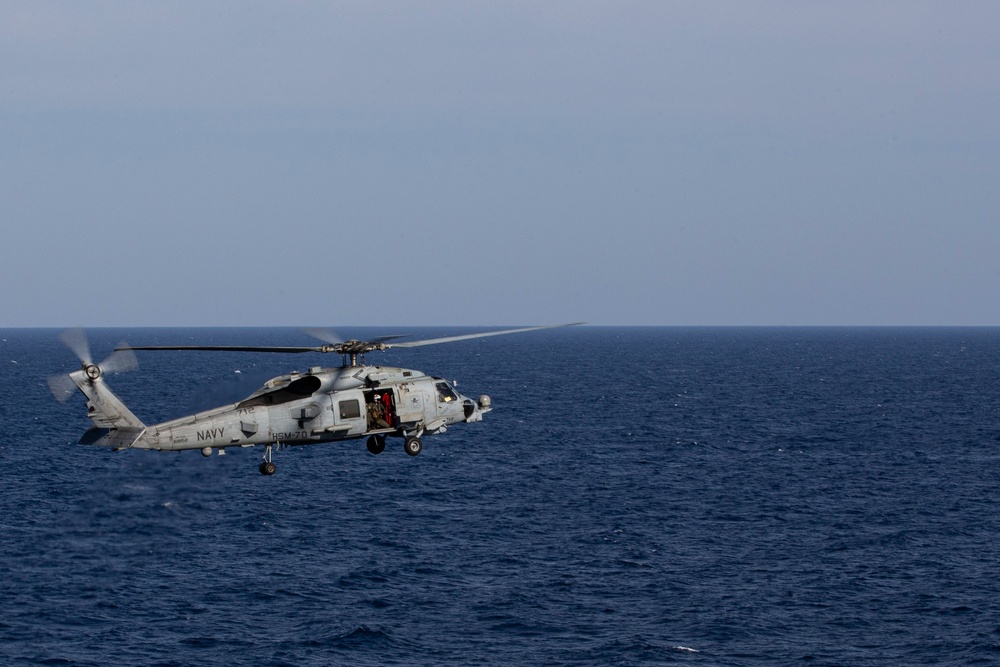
350 402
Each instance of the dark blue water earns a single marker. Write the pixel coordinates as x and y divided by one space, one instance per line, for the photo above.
637 497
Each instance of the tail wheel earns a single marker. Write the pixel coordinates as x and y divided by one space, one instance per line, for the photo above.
376 443
413 446
267 468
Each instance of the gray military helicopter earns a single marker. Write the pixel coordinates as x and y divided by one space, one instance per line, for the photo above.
348 402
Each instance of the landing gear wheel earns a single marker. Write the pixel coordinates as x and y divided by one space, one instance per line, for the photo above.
267 468
413 446
376 443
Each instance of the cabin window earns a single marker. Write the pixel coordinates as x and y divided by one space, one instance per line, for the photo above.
350 409
445 393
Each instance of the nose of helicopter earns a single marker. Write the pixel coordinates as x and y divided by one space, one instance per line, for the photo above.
474 410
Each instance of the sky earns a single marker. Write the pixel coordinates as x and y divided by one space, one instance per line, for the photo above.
502 163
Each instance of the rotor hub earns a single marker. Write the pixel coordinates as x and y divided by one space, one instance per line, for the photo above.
93 371
358 346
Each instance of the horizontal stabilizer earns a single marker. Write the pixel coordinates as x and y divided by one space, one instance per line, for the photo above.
115 438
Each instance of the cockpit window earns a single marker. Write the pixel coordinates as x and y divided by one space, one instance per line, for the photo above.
445 393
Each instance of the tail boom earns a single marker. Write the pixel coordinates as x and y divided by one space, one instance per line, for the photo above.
104 408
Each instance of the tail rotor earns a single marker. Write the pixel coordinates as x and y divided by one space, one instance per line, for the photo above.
120 361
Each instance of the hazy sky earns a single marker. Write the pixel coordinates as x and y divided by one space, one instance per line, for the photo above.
501 163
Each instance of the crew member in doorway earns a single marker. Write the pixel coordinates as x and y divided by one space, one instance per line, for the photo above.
376 414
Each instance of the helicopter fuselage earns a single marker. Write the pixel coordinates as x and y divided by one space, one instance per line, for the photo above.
323 405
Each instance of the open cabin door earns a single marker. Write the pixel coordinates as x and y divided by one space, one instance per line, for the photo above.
380 407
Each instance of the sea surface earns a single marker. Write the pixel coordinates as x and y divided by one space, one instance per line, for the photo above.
638 496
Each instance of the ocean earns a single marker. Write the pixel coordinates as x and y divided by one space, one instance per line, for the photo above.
638 496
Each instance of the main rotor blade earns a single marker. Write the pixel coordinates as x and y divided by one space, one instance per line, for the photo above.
325 335
382 339
452 339
76 340
225 348
352 347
